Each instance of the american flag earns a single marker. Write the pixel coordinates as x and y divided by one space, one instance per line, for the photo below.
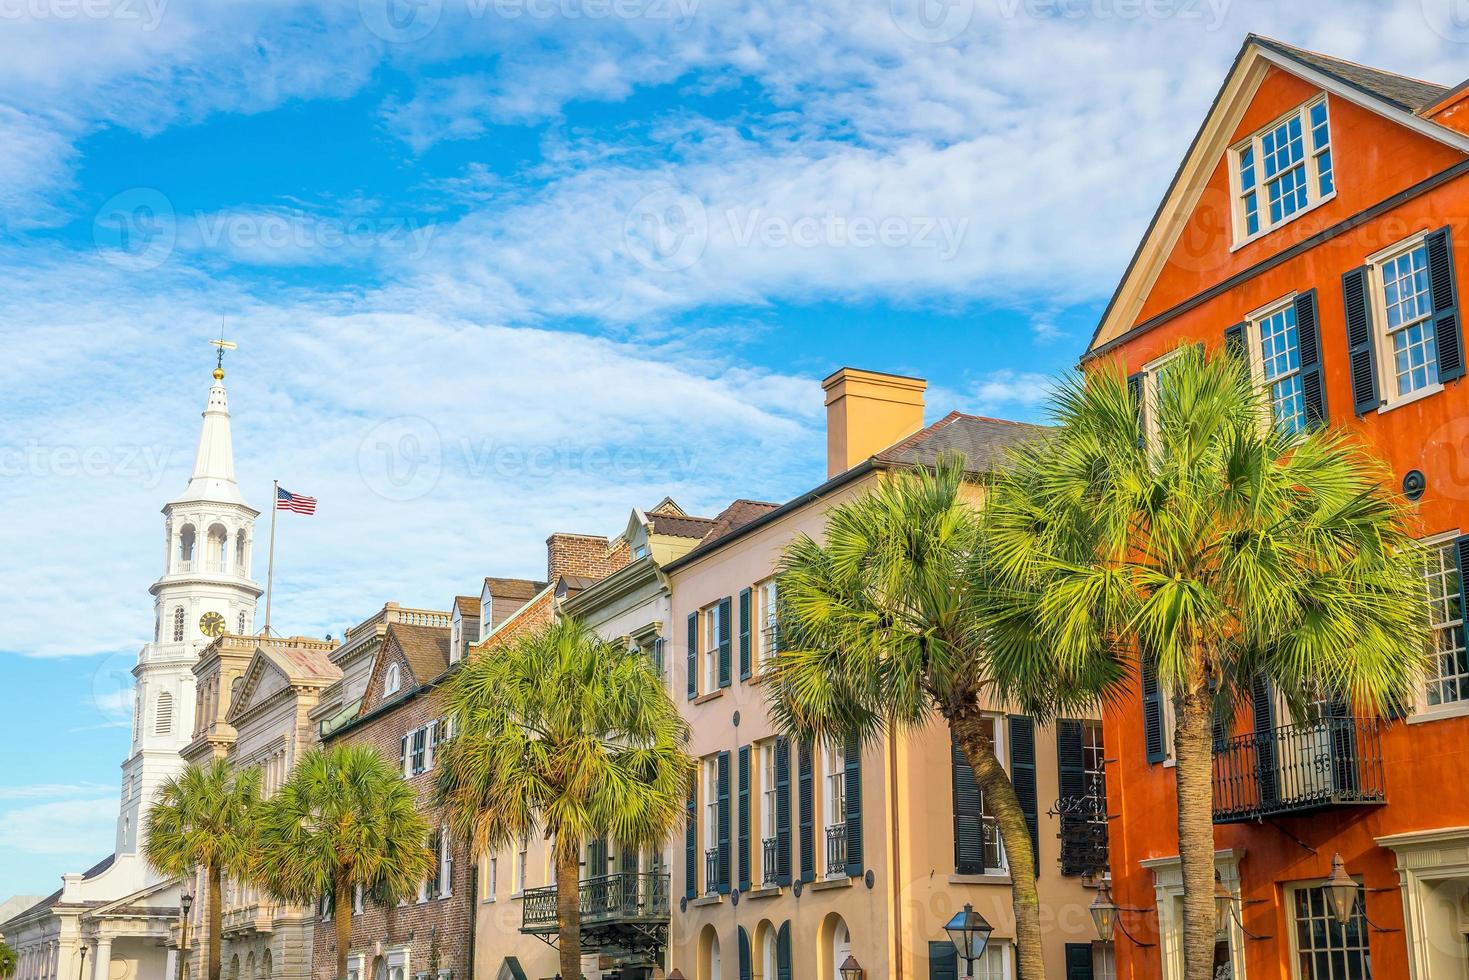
295 502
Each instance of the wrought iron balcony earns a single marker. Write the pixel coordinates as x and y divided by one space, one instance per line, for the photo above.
637 902
769 873
1083 834
711 870
836 849
1298 768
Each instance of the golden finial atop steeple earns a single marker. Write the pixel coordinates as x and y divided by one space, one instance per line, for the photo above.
223 346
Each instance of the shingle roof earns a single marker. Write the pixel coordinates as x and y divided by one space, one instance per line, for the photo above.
513 588
426 648
981 440
302 664
681 527
736 516
468 606
1407 93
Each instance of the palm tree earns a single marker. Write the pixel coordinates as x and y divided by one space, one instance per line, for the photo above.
1224 545
881 628
9 962
205 818
346 818
566 735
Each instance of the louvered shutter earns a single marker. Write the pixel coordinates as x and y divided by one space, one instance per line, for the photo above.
1071 776
783 951
782 810
1447 333
968 814
691 843
403 756
806 794
746 962
1308 346
742 818
723 640
1135 390
1344 773
1235 343
721 803
1262 699
943 961
1022 776
1361 353
693 655
1078 961
852 791
744 634
1152 708
657 658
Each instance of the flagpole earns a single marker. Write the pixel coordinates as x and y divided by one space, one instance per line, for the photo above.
275 492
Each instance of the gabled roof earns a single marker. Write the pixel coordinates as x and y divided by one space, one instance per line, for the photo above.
667 507
297 665
513 588
425 649
681 526
736 516
467 606
1396 97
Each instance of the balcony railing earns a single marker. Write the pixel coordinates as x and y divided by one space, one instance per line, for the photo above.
1083 831
248 918
711 870
1297 768
607 900
769 873
836 849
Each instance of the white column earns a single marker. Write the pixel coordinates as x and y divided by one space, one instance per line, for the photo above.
102 960
171 969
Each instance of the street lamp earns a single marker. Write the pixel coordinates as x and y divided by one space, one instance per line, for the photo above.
186 902
1223 904
1104 913
82 969
1341 890
970 933
851 969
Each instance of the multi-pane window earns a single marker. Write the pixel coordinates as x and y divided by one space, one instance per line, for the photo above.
836 783
521 860
993 964
1447 678
1280 366
1326 949
178 624
767 789
1283 169
711 647
768 638
711 820
1407 315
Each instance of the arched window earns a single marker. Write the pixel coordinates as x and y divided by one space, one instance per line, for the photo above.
186 548
393 680
163 714
242 555
217 557
766 963
267 966
178 624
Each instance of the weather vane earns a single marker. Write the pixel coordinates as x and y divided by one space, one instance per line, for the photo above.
223 346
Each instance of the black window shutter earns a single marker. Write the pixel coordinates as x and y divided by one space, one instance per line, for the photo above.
1135 389
721 803
853 816
691 843
693 656
1235 344
629 860
658 655
1361 353
1308 345
1022 775
746 964
1446 330
783 951
1078 961
744 634
943 961
1262 699
1071 773
743 818
1152 709
968 814
723 640
806 795
782 810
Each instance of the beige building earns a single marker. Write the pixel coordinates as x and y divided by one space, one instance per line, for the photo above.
254 698
796 858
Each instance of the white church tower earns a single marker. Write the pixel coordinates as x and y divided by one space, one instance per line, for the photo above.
205 590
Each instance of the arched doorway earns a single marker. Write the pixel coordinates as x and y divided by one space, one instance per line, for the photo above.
765 965
709 965
835 945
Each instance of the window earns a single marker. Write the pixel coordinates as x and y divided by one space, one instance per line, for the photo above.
1278 361
1104 961
492 879
767 789
186 548
241 623
836 783
711 647
1325 949
178 624
393 681
1406 311
1155 377
769 628
711 824
1282 170
1447 679
242 565
419 751
446 865
163 714
521 859
977 847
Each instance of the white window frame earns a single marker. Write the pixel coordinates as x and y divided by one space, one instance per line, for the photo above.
1423 711
1150 395
1384 360
997 962
766 622
446 864
522 860
711 814
356 966
492 879
392 680
1256 349
710 653
834 773
1293 925
1312 161
768 794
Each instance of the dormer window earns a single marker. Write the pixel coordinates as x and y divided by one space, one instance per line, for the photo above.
393 680
1282 170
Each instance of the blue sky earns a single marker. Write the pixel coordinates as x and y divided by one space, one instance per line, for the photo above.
567 255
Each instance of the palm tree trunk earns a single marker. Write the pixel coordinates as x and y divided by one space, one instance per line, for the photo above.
216 921
568 909
1194 771
342 909
999 794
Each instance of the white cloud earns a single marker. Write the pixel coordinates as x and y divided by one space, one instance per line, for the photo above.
50 791
68 828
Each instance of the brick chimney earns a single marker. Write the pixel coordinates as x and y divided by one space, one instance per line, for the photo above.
866 412
583 556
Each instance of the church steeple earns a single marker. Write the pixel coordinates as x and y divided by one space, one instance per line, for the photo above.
214 462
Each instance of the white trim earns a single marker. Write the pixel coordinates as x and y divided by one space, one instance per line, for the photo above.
1309 159
1168 895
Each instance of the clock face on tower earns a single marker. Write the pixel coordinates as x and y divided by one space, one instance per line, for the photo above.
211 624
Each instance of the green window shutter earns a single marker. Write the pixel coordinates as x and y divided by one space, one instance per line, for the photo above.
743 819
723 640
1446 329
1262 700
693 656
721 802
783 951
1235 344
1022 775
1071 779
1152 708
1135 390
1308 346
782 810
691 843
852 790
943 961
746 963
806 793
1078 961
968 814
744 634
1361 351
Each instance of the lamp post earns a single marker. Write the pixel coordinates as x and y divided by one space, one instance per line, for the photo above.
186 902
1341 890
851 969
970 933
1107 915
82 969
1223 904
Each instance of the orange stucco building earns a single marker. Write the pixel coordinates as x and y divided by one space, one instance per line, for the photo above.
1319 223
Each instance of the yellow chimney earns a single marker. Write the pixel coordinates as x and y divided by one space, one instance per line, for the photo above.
866 412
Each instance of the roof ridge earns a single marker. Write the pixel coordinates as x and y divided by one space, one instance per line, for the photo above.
1342 61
